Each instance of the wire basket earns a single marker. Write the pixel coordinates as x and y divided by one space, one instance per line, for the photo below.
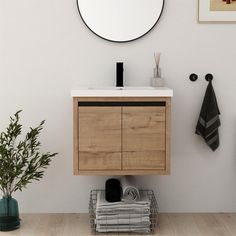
153 213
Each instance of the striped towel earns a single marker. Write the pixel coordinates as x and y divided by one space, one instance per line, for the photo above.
209 121
142 206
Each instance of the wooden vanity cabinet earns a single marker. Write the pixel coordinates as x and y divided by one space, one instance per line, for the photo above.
122 136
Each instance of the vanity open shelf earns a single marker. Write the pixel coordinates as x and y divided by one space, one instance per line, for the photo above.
121 134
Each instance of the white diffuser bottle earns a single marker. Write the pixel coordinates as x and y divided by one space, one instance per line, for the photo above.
157 80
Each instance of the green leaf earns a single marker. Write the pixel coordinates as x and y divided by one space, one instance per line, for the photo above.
21 161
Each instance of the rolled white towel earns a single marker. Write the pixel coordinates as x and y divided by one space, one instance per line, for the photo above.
129 188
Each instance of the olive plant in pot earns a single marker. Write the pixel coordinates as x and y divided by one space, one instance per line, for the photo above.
20 162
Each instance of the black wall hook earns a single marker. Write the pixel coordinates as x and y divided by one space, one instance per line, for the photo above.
209 77
193 77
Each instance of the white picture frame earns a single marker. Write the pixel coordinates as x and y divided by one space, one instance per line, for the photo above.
205 14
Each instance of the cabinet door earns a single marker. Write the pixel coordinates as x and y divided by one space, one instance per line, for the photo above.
143 138
99 138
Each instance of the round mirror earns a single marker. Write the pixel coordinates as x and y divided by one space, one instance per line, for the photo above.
120 20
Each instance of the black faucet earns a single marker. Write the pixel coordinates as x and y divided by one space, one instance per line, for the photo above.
119 74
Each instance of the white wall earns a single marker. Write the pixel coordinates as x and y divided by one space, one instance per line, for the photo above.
45 50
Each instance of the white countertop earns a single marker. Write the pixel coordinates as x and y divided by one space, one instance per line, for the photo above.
122 92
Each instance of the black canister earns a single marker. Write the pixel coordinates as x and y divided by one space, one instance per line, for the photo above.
113 190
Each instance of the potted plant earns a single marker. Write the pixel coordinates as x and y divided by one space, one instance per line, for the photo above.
20 163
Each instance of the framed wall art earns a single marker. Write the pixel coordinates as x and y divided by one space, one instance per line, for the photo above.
217 11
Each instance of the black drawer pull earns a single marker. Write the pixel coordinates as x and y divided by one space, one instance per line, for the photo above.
119 104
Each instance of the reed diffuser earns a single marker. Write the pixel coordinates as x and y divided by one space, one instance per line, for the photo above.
157 80
157 57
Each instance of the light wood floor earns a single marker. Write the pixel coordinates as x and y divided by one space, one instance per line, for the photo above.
169 225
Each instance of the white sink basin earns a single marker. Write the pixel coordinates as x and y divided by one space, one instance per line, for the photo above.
122 92
121 88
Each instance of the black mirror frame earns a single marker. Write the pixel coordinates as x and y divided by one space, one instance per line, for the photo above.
126 41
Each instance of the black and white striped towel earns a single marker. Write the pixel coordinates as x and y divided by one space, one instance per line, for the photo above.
209 121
